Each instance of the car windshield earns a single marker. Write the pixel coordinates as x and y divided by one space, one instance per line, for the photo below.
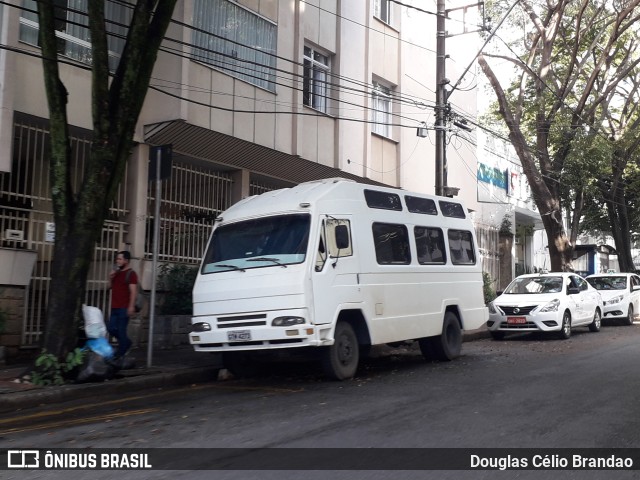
608 283
275 241
532 285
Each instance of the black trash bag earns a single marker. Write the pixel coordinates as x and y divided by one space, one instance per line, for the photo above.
122 363
96 368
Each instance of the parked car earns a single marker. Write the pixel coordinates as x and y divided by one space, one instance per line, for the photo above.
545 302
620 293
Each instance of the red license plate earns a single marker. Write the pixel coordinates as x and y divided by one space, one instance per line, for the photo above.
516 320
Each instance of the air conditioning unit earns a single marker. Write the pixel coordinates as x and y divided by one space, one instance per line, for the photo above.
14 235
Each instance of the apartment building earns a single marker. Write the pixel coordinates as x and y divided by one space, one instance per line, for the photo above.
253 95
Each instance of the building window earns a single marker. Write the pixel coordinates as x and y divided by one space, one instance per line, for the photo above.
236 41
72 30
382 10
381 100
316 71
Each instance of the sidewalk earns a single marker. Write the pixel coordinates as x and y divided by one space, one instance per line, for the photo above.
169 367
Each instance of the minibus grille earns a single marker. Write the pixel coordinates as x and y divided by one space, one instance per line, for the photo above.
242 321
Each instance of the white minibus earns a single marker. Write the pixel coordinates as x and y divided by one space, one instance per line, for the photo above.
337 266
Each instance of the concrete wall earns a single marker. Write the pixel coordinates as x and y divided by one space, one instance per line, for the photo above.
12 304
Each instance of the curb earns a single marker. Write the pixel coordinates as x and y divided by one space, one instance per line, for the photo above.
132 381
32 398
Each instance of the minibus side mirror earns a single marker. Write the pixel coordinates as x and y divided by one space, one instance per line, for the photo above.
342 237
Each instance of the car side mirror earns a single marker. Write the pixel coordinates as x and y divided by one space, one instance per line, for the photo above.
635 288
573 290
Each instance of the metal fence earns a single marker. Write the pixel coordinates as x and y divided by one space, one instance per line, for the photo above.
191 198
26 220
489 246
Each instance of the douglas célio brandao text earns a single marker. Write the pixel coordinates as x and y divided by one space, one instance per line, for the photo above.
550 461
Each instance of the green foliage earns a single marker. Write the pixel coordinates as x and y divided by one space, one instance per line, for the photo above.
51 371
176 280
505 226
488 289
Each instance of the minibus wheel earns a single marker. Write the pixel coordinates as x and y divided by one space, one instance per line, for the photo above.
340 360
448 344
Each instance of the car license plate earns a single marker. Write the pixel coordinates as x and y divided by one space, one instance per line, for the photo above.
516 320
239 336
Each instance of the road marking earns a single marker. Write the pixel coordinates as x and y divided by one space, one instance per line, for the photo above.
62 411
79 421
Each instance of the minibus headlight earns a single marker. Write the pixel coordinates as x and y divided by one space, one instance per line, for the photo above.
287 321
200 327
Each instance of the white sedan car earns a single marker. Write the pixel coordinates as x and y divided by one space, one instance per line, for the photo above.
545 302
620 293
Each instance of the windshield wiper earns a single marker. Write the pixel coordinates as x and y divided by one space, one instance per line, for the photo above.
266 259
233 267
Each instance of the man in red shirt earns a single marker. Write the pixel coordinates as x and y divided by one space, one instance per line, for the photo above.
124 287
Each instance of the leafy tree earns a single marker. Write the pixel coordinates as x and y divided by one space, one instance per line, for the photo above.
577 58
116 103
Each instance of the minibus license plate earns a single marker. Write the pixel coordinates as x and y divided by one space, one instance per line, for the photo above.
516 320
239 336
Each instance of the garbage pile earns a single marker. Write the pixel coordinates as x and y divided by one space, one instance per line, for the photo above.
100 363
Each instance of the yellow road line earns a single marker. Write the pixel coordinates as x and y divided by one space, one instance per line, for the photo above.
50 413
79 421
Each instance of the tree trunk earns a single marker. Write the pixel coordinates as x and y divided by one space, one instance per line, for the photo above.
116 101
72 250
547 199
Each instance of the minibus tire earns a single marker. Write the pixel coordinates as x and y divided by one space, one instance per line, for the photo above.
340 360
446 346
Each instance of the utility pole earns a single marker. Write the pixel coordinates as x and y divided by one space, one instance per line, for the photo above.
441 101
442 96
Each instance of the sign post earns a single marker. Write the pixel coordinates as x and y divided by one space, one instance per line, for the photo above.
159 169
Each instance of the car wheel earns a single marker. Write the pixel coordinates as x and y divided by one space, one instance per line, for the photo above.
630 315
497 335
565 329
340 360
446 346
597 322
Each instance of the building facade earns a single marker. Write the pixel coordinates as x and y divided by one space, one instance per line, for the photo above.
252 95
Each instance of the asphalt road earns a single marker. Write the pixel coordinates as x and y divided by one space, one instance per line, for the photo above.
524 392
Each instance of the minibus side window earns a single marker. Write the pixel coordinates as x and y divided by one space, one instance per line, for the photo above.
430 245
461 247
452 209
336 235
391 243
339 235
321 256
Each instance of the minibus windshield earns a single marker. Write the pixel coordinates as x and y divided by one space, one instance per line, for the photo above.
275 241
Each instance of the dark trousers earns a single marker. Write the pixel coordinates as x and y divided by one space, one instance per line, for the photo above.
117 328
